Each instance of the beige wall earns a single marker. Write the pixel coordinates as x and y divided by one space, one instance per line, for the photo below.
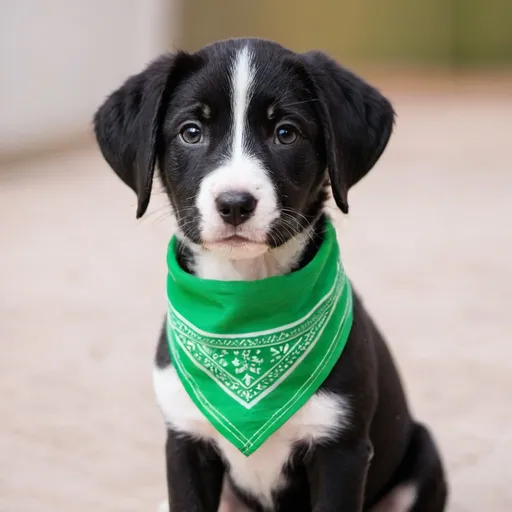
59 58
353 31
417 33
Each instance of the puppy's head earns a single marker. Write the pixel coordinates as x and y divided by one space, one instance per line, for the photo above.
246 135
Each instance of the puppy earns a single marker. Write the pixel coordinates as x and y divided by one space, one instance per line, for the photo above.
249 138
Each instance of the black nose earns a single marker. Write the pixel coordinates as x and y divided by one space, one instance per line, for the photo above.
236 207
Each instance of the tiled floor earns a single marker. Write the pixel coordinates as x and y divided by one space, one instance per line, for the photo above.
428 243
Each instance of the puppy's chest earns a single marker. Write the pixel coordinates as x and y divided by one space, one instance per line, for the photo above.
260 473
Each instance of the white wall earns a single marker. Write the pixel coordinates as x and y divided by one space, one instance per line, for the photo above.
60 58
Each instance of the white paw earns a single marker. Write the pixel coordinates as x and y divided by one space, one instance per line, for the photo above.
163 507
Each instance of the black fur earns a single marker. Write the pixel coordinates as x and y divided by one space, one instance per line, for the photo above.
357 121
345 125
128 124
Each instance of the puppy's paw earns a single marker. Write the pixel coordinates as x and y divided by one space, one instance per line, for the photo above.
163 507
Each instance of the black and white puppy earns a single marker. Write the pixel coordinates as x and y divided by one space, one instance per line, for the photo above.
248 137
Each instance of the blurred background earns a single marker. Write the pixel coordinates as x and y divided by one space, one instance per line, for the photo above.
428 241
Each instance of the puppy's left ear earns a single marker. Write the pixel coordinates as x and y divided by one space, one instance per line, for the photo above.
357 122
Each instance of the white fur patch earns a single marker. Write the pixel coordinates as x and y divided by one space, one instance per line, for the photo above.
261 472
400 499
241 89
240 172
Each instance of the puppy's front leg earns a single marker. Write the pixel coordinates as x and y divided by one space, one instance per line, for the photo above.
194 474
337 475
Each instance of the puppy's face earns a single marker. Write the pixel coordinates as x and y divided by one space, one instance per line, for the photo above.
242 154
244 132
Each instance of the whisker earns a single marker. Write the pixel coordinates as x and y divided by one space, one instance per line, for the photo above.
299 102
305 229
152 213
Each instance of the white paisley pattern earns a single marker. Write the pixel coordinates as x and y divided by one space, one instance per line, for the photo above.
249 366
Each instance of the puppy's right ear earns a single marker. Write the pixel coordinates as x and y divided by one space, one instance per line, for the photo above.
128 123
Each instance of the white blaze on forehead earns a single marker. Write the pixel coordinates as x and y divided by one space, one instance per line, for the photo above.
241 84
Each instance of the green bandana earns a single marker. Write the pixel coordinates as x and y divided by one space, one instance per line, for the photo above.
251 353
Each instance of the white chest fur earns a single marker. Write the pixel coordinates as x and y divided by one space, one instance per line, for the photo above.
261 472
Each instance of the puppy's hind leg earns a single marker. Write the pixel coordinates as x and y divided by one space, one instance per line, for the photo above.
421 484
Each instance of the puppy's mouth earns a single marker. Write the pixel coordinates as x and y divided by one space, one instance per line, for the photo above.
237 246
235 240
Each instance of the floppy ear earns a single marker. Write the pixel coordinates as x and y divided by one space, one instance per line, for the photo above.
357 122
127 125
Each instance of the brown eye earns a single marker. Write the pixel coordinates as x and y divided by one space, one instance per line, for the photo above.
191 133
286 134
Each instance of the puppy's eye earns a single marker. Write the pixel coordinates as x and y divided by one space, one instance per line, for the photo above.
286 134
191 133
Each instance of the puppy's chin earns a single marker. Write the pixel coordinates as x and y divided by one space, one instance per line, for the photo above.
236 251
